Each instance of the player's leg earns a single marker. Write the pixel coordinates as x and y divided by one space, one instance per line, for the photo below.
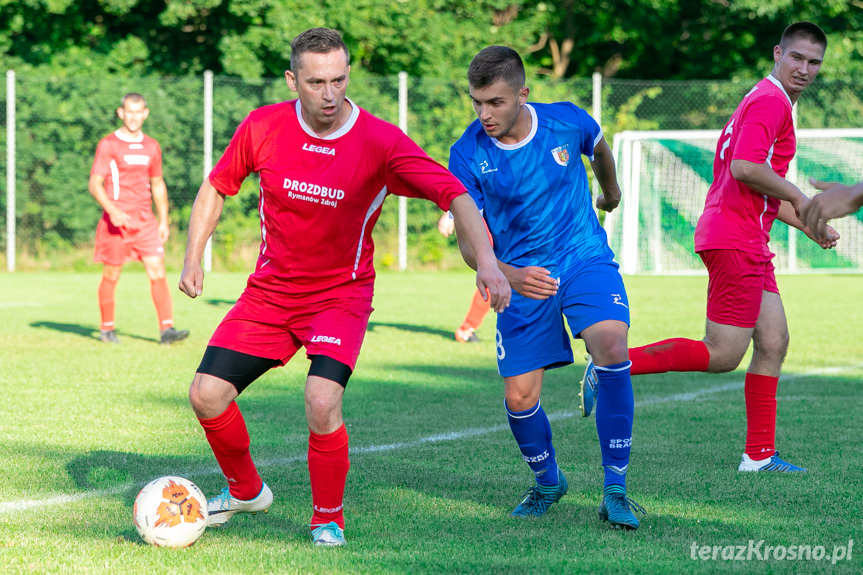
675 354
332 332
531 338
111 251
532 432
770 344
475 314
161 294
596 307
614 417
726 344
250 340
733 300
328 448
222 375
107 302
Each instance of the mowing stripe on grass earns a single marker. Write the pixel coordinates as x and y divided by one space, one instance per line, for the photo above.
22 505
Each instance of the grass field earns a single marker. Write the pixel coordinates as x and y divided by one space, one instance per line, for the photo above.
435 471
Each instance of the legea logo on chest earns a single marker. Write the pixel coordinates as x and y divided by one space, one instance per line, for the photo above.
327 151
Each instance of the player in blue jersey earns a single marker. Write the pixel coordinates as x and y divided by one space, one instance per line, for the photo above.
521 162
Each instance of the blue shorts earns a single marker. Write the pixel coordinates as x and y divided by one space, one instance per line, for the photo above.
531 333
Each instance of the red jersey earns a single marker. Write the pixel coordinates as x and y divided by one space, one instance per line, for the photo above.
321 197
127 166
760 131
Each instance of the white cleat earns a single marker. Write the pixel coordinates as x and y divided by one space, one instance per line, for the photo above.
773 463
328 535
224 505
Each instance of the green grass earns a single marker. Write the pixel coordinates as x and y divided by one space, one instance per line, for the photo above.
435 471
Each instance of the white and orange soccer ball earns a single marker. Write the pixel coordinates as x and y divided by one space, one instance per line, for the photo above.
170 511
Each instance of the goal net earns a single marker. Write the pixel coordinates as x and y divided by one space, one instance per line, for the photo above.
665 175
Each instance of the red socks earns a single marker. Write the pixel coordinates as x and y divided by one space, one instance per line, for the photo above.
107 288
476 313
760 392
229 440
162 299
328 470
676 354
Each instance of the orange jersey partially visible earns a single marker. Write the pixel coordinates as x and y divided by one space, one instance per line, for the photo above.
127 166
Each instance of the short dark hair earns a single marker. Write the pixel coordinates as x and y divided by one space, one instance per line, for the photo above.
319 41
496 63
132 97
804 30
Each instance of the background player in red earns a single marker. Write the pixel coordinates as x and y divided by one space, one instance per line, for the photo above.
836 201
325 168
466 333
126 179
748 192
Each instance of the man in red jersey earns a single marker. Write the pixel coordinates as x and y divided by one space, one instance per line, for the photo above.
748 192
125 179
325 168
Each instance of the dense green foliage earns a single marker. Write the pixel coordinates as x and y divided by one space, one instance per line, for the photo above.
658 39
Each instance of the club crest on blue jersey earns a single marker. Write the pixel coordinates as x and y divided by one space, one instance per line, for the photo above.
561 155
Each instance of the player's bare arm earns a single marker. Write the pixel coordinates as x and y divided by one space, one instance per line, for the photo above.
787 214
606 175
835 201
118 217
206 212
762 178
160 201
469 227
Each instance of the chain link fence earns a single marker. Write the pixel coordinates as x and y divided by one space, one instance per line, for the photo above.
59 120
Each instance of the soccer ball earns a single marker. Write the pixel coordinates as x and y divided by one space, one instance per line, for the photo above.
170 511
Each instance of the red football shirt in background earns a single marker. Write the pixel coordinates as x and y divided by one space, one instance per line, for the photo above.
321 197
761 130
127 166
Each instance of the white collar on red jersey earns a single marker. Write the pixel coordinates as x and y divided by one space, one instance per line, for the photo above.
355 113
780 86
126 138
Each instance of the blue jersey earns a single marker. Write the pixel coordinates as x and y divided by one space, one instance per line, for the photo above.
534 194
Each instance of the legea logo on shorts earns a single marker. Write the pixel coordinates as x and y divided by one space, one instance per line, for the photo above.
326 339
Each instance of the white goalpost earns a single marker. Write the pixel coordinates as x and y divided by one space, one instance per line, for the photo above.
665 175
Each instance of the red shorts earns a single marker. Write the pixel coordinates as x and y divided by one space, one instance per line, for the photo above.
140 239
257 326
737 282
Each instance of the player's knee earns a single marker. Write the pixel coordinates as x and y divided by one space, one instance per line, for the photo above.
772 345
154 267
320 405
613 350
206 397
111 273
519 399
724 359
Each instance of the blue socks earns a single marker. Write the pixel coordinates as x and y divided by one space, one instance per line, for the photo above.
532 432
614 412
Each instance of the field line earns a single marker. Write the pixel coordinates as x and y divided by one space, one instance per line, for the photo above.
22 505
